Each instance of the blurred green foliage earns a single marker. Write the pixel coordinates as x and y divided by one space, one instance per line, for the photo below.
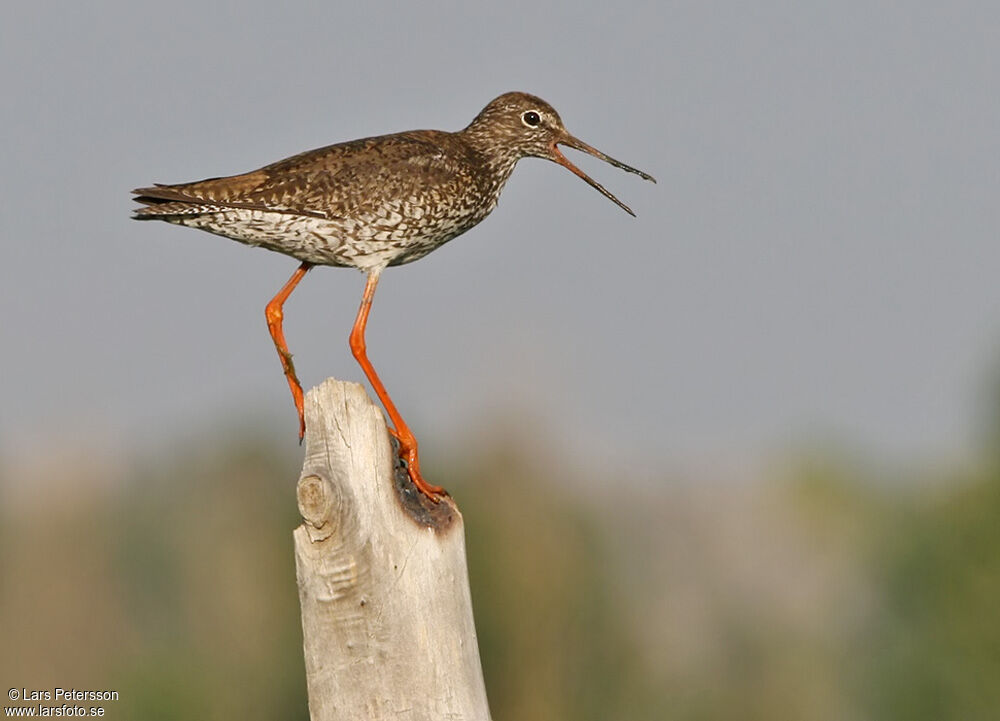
831 592
934 651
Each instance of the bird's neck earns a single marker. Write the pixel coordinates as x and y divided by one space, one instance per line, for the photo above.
497 158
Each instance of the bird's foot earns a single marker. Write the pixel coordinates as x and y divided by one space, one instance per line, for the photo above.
298 397
408 453
434 493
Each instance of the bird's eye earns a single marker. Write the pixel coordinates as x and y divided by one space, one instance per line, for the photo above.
531 119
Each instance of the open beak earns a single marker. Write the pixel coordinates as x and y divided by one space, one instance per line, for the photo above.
572 142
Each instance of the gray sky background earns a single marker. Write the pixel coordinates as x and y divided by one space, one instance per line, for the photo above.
819 258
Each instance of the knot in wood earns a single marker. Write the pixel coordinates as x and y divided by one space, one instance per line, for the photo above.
319 502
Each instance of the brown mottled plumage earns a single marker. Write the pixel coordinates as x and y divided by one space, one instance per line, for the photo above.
372 203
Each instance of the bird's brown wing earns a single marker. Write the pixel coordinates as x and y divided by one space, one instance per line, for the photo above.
337 181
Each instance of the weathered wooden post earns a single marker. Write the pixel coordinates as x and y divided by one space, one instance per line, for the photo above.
386 611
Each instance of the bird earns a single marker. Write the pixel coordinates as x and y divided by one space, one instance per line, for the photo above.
370 204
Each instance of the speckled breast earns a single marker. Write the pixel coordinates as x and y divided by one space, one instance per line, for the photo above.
395 233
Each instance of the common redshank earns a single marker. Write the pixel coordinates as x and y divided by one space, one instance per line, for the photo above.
372 203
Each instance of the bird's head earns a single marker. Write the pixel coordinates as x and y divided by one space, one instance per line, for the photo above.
525 125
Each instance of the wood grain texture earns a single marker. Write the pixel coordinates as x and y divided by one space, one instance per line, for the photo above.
387 622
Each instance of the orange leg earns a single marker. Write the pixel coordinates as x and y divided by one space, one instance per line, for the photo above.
275 315
401 432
